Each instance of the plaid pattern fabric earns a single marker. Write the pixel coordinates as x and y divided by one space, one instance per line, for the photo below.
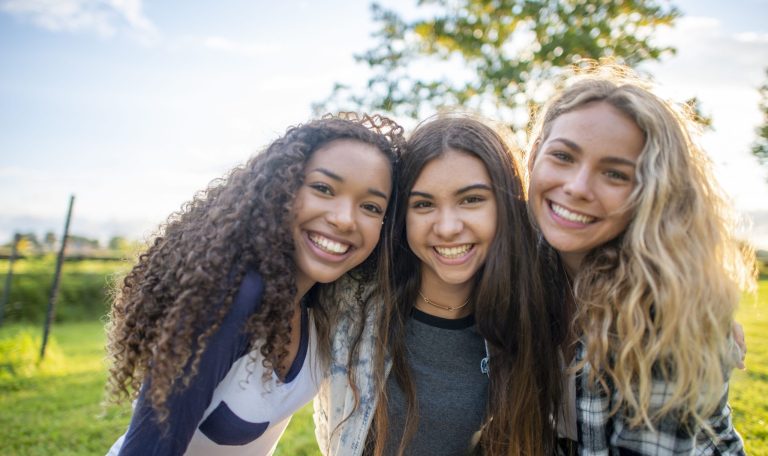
601 434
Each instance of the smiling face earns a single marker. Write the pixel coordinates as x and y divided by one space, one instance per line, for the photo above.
451 219
338 210
582 175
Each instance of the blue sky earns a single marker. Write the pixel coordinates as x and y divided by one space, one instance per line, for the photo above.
133 106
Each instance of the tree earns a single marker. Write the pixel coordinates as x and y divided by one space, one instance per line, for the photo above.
499 53
28 244
50 241
694 109
81 241
760 147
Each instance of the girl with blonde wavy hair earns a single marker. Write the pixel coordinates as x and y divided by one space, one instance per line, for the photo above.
215 328
642 242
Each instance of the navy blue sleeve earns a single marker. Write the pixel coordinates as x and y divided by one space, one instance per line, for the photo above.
145 436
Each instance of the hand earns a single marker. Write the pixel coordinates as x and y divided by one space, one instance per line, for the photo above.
741 344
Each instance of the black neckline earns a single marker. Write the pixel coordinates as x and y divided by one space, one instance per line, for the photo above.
301 355
443 323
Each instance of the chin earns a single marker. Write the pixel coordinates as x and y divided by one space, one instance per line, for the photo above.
328 277
457 280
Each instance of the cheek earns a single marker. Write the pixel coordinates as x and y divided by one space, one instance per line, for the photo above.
371 229
622 221
299 202
618 204
490 229
491 221
412 232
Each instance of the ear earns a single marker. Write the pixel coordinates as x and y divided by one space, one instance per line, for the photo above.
533 154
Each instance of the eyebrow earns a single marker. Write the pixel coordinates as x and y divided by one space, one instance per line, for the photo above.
328 173
609 160
466 189
338 178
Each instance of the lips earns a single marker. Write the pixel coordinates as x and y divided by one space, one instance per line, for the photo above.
328 245
570 215
453 252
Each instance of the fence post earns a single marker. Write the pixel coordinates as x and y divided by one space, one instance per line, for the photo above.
7 289
56 275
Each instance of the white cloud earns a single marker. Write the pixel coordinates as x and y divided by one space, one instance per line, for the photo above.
704 44
752 37
756 229
104 17
226 45
723 69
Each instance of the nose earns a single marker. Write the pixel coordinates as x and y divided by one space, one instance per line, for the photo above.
448 224
342 215
579 184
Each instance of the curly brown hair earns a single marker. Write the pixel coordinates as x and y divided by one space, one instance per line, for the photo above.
183 285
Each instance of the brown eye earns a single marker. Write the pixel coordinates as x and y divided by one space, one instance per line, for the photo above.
421 205
322 188
617 175
562 156
370 207
473 199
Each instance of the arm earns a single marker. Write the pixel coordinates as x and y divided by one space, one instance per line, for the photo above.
739 345
725 441
186 406
670 436
340 427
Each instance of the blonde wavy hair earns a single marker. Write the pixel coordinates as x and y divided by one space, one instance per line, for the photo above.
658 301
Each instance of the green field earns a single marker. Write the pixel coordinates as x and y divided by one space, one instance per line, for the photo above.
55 407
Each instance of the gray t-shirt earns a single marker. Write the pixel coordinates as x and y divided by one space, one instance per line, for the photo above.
444 357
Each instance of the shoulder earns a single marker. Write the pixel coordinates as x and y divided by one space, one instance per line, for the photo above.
352 306
249 294
346 295
349 285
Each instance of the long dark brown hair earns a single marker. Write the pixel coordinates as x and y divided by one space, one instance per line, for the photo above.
510 308
183 285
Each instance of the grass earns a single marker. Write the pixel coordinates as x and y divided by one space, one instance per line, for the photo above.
55 407
749 388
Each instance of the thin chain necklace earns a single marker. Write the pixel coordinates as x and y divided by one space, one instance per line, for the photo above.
440 306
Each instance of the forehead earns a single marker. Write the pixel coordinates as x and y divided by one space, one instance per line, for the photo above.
347 153
451 168
600 127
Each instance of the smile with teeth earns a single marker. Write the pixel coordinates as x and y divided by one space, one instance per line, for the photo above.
570 216
328 245
453 252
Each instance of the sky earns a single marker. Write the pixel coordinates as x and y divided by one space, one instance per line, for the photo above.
133 106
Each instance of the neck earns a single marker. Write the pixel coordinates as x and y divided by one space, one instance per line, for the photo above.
444 295
572 262
303 284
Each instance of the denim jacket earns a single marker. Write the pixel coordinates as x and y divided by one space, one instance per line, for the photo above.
335 402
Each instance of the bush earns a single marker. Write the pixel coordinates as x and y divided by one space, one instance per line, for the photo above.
20 358
84 289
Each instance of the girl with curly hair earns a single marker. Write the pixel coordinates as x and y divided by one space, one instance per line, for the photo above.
642 246
459 287
216 328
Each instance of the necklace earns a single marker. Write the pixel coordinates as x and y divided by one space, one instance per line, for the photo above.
440 306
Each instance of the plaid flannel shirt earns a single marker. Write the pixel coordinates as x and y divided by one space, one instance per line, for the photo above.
601 433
